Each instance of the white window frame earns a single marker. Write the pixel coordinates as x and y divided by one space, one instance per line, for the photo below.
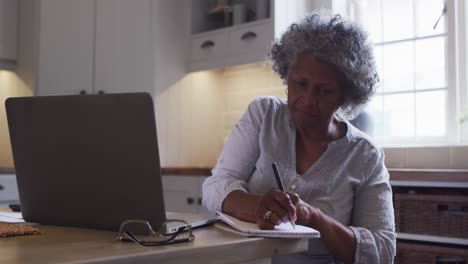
456 71
454 68
462 19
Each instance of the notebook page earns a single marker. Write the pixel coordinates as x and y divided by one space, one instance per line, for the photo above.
11 217
282 230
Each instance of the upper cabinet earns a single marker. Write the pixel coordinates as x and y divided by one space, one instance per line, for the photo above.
86 46
93 46
65 45
123 46
227 33
8 29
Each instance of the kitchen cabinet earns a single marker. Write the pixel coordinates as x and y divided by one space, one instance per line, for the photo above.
183 193
65 46
8 29
93 46
234 46
216 44
123 46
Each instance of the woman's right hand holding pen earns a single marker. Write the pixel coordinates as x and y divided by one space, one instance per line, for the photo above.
280 204
284 206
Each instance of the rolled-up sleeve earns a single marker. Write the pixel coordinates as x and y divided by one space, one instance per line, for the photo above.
237 159
373 221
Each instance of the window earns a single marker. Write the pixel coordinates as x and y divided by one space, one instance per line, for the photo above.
418 100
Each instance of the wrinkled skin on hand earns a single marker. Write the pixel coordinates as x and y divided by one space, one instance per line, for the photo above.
284 206
280 204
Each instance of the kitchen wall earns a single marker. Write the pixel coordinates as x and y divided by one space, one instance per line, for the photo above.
196 114
204 106
189 120
241 85
10 85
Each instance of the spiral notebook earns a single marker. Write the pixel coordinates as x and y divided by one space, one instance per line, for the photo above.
283 230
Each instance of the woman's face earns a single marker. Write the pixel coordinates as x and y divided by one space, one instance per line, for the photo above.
315 92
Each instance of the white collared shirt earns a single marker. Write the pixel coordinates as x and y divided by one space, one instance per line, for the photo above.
349 182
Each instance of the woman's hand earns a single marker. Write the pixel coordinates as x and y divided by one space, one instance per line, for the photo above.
338 238
281 206
305 212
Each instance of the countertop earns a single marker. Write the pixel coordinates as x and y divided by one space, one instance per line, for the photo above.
186 171
445 175
6 170
202 171
395 173
79 245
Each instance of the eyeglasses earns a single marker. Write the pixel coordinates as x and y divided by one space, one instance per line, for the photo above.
171 232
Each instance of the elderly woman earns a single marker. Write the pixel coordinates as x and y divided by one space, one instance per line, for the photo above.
334 175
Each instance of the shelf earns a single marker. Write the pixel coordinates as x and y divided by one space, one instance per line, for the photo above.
219 10
442 184
9 65
435 239
232 27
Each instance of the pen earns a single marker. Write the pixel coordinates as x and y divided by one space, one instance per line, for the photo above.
279 182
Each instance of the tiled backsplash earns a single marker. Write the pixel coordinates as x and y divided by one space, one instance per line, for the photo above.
196 114
217 99
189 121
241 85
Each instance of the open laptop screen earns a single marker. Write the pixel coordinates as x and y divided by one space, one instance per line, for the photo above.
86 160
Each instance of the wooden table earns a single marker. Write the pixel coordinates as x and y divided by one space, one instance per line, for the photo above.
76 245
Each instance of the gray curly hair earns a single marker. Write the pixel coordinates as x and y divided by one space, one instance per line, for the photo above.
335 41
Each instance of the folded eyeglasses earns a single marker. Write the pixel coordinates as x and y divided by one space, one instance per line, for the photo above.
171 232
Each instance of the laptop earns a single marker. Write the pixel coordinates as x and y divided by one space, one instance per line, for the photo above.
88 161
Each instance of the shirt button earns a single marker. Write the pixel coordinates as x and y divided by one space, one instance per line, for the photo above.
293 187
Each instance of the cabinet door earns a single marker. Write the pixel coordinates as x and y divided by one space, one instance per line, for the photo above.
8 14
123 54
249 44
66 40
209 46
201 208
182 193
254 38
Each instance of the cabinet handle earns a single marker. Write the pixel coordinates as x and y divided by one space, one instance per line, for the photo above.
207 44
100 92
82 92
199 201
2 188
190 200
249 35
